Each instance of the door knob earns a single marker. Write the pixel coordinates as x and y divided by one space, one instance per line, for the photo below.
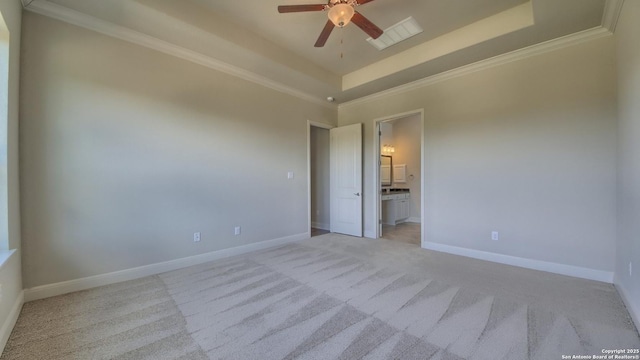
357 194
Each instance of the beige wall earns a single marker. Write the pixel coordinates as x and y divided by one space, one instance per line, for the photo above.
526 148
407 143
10 272
628 56
126 152
320 178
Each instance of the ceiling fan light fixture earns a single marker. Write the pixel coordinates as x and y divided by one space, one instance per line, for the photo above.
341 14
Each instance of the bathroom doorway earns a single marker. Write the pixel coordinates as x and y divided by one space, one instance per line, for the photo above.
399 153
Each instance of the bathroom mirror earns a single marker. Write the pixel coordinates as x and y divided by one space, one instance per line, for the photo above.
385 170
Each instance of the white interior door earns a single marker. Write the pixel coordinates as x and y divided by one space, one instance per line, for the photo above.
346 179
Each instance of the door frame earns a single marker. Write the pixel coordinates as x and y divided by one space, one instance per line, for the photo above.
309 125
377 204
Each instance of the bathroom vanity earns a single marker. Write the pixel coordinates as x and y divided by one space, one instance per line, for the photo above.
396 206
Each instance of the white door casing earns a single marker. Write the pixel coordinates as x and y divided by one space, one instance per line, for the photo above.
346 179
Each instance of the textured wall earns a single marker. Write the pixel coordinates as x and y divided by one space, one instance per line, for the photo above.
629 154
526 148
126 152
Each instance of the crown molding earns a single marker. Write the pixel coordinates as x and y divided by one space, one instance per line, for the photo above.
611 14
537 49
610 17
89 22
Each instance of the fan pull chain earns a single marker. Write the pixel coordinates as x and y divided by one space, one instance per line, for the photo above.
341 42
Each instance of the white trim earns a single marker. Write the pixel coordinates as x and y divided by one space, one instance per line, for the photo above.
370 235
633 308
45 291
11 320
609 20
556 268
80 19
321 226
415 220
611 14
544 47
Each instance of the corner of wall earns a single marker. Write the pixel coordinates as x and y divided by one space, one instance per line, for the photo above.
633 308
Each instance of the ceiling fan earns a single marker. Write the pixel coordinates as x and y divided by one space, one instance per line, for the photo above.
340 13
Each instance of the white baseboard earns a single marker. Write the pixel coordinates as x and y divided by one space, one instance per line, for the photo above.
321 226
416 220
49 290
370 234
633 308
562 269
11 320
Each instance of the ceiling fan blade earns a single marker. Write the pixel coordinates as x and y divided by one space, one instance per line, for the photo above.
300 8
362 2
324 35
367 26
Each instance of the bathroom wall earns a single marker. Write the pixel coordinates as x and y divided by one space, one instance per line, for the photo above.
407 143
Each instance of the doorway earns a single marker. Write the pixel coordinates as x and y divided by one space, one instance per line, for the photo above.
399 165
341 203
319 177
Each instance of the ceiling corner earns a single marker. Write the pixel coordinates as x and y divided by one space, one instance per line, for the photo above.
108 28
26 3
611 14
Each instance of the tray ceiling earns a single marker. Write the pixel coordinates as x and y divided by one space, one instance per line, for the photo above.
253 37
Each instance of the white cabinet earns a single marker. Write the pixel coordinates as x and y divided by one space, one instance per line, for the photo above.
396 208
400 173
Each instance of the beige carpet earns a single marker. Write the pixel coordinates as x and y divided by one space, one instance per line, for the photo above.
331 297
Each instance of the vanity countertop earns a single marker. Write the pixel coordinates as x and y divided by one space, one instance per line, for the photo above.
394 191
396 195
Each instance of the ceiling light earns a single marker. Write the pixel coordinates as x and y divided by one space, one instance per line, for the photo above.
341 14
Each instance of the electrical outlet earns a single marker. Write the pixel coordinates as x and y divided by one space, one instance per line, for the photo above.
495 235
236 231
196 237
290 175
630 269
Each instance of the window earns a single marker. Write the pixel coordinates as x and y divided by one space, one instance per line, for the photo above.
4 101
